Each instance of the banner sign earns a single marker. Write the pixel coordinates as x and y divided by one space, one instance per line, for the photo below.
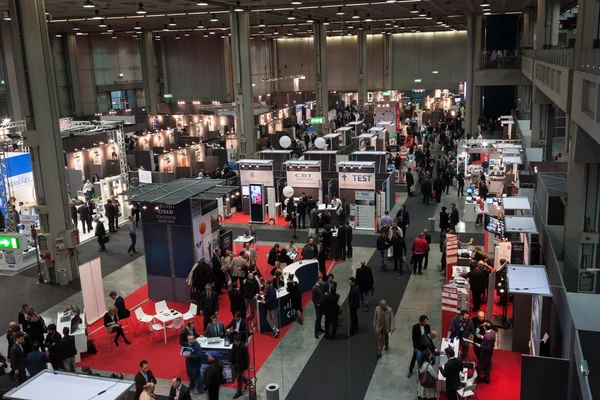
144 176
365 210
363 179
256 175
303 177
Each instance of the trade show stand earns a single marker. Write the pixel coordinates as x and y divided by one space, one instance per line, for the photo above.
219 350
306 273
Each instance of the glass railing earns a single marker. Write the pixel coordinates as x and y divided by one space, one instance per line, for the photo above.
562 57
500 59
590 61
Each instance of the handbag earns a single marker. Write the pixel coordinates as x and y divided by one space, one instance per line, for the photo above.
105 239
425 379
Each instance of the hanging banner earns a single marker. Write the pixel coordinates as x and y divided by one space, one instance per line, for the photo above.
362 179
365 210
146 143
158 140
198 154
183 159
114 154
96 156
517 254
144 176
451 255
78 161
303 176
261 174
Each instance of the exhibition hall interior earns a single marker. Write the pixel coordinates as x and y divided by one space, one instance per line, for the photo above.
277 199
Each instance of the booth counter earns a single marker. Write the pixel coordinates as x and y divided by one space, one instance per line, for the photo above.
306 272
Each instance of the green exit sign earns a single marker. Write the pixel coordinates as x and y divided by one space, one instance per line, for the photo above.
168 96
8 242
386 93
316 120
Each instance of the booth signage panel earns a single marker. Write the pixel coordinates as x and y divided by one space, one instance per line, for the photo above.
256 175
363 179
144 176
167 214
517 254
365 210
304 177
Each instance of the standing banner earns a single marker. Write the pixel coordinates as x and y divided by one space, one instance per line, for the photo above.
451 255
272 206
365 210
449 305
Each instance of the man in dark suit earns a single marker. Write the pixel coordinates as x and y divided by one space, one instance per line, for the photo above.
110 211
301 208
236 299
418 330
427 344
122 311
36 360
17 359
410 181
273 254
67 350
209 304
188 330
240 361
477 283
215 328
331 310
330 283
178 390
451 370
51 343
353 305
237 326
143 376
427 237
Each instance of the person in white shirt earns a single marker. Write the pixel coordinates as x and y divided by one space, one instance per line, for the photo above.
336 202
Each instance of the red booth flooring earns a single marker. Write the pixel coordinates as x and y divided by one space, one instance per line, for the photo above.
239 218
164 358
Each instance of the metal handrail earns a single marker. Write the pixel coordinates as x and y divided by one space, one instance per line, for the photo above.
561 57
500 59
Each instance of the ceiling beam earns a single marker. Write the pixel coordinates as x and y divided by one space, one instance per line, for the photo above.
469 6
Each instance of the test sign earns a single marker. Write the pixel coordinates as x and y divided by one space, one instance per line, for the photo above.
363 179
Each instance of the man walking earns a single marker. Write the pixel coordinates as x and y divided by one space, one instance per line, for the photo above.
383 322
454 219
410 181
365 282
111 213
418 331
250 290
240 360
427 238
17 359
131 250
383 244
353 305
301 208
331 310
451 370
419 248
272 307
193 364
426 190
317 296
209 304
484 366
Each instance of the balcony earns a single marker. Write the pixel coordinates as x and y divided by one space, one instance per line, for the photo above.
560 57
500 59
590 61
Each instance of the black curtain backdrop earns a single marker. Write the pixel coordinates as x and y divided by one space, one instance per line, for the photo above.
501 32
498 100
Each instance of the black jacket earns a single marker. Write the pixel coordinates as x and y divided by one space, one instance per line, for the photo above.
36 362
410 179
416 334
444 221
243 332
73 209
454 219
348 229
183 335
272 258
438 184
51 342
403 218
209 303
295 295
398 245
100 231
17 358
301 208
427 344
308 252
213 376
84 213
202 275
184 393
122 311
236 301
110 210
383 243
108 319
364 278
327 235
250 288
66 347
426 188
140 382
476 280
354 298
329 305
452 373
240 356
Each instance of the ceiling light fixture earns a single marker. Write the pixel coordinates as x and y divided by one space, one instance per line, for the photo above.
276 32
402 26
6 15
223 27
212 32
58 35
114 36
485 3
360 28
140 9
109 29
339 11
310 20
201 3
291 16
428 16
200 25
238 7
157 37
487 13
414 10
76 27
165 28
88 4
262 24
296 28
96 14
296 2
213 18
205 35
137 26
356 16
261 30
326 22
422 13
172 22
177 37
368 19
395 24
102 24
439 21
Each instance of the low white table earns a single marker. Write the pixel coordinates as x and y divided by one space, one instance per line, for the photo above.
242 240
444 359
166 317
79 334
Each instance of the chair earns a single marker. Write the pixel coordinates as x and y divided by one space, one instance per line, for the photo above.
153 328
109 339
141 317
161 307
469 391
176 325
191 313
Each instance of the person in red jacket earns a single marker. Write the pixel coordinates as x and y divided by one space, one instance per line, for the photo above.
419 248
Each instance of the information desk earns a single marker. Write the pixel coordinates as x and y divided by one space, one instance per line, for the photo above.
242 240
219 351
306 273
444 359
79 334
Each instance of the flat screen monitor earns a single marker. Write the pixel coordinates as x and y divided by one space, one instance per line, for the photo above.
256 195
494 225
245 190
470 190
469 198
489 200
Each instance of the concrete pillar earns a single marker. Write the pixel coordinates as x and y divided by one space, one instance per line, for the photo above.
148 60
39 102
473 93
14 101
274 85
540 26
228 53
529 15
587 31
242 79
362 68
163 66
548 14
539 103
72 63
321 92
388 77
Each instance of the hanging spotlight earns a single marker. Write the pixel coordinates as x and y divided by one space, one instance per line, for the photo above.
291 16
487 13
205 35
439 21
414 10
276 32
214 18
165 28
339 11
261 30
309 19
109 29
238 7
58 35
102 24
262 24
485 3
356 16
296 2
172 22
140 9
114 36
177 37
211 32
157 37
223 28
201 3
428 16
137 26
326 22
296 27
390 1
360 28
422 13
96 14
402 26
88 4
76 27
200 25
395 25
6 15
368 19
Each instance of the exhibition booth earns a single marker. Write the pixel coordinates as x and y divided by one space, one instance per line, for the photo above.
356 181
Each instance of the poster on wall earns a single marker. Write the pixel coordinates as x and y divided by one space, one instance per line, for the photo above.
158 140
170 136
168 163
78 161
365 210
154 123
231 153
517 254
146 143
205 217
96 156
183 159
114 154
198 154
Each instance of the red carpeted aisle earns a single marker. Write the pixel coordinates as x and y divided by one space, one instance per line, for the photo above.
164 358
242 219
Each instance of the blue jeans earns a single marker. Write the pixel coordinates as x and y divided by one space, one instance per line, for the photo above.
365 298
195 375
133 241
383 254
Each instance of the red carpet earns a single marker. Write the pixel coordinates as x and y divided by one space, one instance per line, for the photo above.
497 309
164 359
506 377
242 219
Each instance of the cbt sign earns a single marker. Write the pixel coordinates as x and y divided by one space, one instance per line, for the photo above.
363 179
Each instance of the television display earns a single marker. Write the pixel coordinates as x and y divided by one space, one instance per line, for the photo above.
256 194
494 225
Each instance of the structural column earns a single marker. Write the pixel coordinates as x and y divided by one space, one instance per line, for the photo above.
72 63
321 92
529 15
473 92
362 68
148 60
548 14
242 80
39 102
388 63
14 109
539 109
